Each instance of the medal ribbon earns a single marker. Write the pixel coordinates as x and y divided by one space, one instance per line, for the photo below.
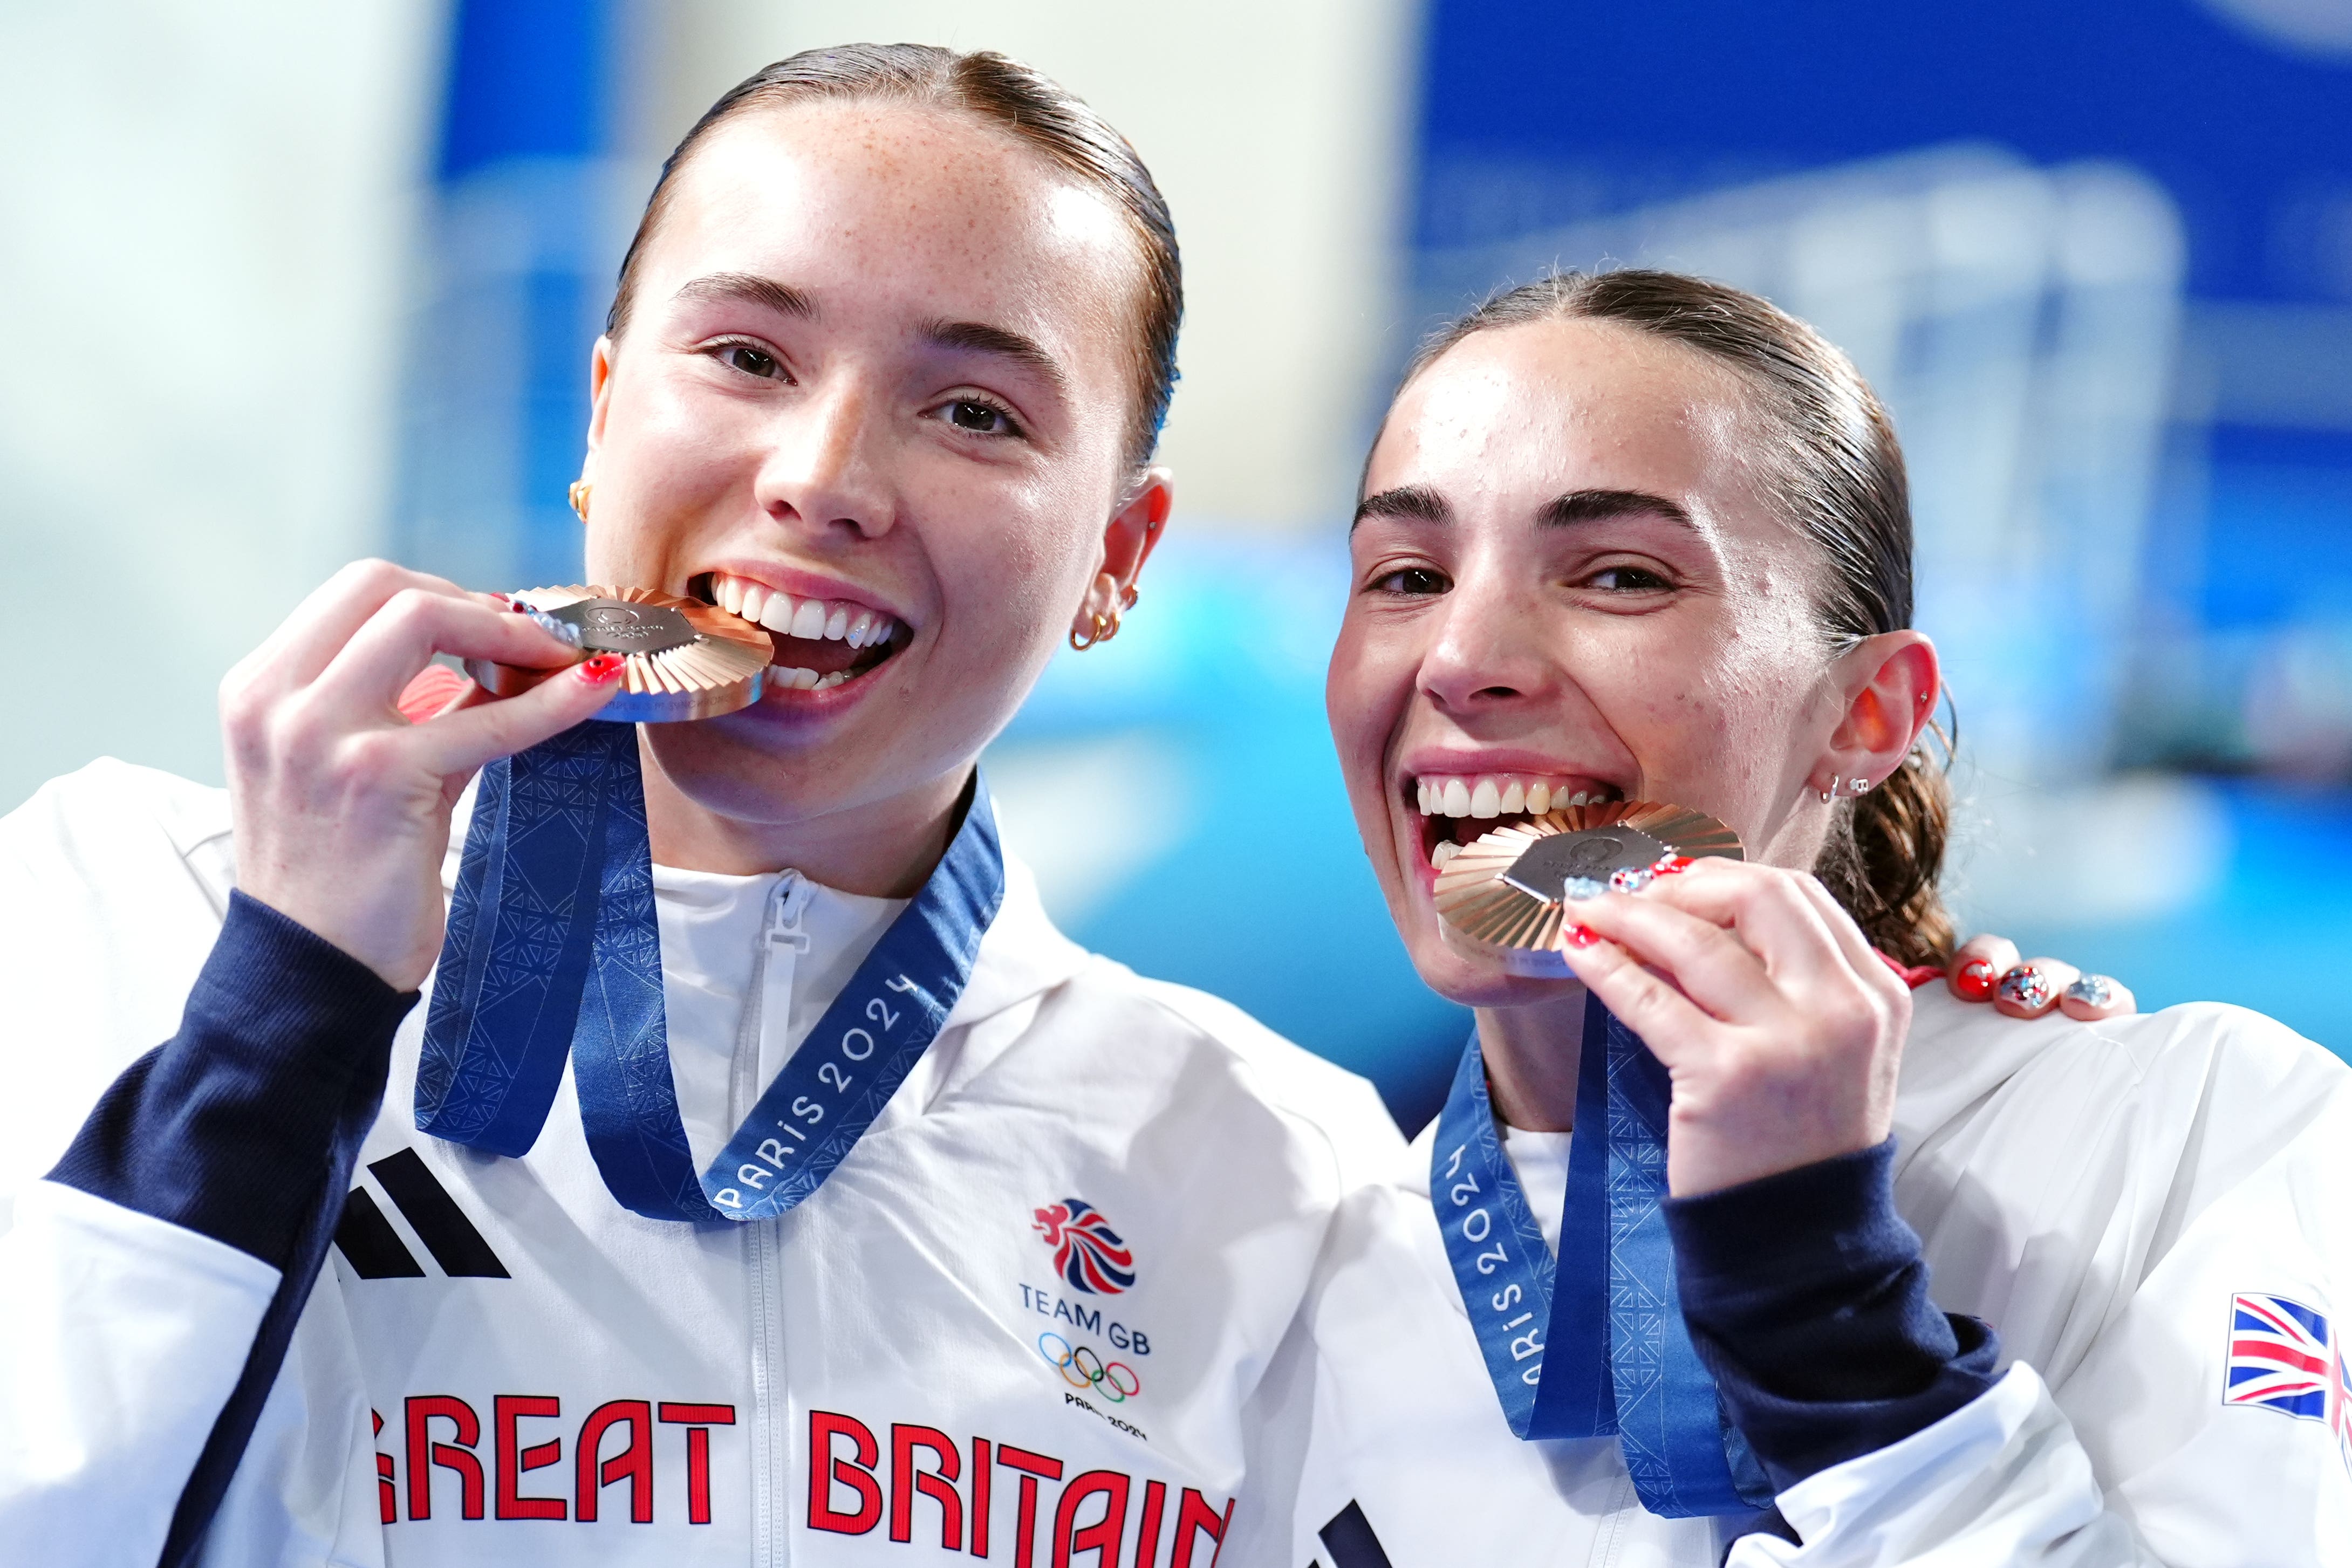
1593 1345
553 953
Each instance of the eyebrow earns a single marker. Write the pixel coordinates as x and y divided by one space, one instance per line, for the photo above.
1421 504
1409 502
750 289
1592 505
980 337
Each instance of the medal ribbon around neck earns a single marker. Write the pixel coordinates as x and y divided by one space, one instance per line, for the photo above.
553 954
1593 1344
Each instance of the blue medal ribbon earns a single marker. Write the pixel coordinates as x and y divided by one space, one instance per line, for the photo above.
1593 1345
553 953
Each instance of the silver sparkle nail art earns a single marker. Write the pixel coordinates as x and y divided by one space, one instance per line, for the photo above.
2094 990
1582 887
549 623
1632 878
2025 988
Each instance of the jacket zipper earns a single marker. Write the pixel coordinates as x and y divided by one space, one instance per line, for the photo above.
767 1004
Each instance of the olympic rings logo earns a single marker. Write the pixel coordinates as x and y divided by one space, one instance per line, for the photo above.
1083 1370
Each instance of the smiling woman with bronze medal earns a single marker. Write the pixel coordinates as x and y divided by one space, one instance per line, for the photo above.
764 1178
1756 1237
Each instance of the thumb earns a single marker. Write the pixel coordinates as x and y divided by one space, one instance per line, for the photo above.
464 740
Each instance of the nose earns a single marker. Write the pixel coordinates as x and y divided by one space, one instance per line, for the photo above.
827 468
1489 650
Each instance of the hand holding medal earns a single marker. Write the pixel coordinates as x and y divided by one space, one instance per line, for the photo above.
1779 1028
341 805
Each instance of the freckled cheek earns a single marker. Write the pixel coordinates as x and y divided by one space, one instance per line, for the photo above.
1008 577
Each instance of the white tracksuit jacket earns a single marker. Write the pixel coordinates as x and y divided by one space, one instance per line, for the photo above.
501 1365
2102 1193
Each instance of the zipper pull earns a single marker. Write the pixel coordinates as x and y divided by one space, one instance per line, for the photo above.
787 901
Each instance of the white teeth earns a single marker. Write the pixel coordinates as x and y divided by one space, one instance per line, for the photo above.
835 679
1442 850
1485 795
805 680
835 620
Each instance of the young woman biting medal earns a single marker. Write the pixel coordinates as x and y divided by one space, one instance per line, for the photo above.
793 1190
1764 1249
765 1180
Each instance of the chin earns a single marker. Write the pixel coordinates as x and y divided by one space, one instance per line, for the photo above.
1474 980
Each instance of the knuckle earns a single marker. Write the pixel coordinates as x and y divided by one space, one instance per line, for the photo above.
409 607
370 572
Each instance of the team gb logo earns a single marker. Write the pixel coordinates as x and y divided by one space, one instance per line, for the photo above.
1086 1252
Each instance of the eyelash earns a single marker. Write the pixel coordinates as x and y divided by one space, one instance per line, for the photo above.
1388 582
718 350
1013 430
1658 582
1382 582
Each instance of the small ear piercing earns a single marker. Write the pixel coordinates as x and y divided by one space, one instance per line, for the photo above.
1843 786
579 498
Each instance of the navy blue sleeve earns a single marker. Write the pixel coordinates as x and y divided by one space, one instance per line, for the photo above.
1807 1296
231 1127
244 1127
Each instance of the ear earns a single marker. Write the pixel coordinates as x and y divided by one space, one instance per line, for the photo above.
1132 533
1889 684
600 400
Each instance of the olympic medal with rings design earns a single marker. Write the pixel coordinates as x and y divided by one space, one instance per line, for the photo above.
1084 1370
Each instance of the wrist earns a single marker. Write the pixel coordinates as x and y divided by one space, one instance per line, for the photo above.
398 964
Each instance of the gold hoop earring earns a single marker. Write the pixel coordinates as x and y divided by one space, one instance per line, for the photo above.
1104 630
579 494
1128 596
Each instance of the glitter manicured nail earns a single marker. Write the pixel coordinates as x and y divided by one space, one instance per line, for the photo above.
2024 987
2093 991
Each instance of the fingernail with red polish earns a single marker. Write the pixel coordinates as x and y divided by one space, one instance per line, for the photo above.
598 668
1672 865
1577 936
1976 979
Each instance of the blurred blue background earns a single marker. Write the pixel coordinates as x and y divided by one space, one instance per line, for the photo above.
2098 259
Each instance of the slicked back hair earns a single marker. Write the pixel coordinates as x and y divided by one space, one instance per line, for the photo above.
1838 478
1026 104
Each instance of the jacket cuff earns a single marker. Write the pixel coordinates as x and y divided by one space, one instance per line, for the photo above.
236 1126
1806 1294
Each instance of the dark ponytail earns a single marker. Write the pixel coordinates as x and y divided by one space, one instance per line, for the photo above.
1839 476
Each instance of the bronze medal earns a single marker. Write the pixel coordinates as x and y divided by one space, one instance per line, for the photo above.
681 659
1507 896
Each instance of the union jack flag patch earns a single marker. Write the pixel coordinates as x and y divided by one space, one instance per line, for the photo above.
2284 1356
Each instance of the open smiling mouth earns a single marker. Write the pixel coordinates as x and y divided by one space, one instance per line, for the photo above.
820 643
1458 809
